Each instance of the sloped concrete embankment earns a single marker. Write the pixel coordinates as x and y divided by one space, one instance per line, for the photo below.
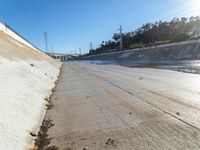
27 77
189 50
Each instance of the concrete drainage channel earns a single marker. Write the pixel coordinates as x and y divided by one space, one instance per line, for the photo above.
114 107
32 74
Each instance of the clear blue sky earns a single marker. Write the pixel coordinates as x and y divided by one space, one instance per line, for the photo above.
73 24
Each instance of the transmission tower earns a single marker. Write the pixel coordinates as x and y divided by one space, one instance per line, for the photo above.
121 40
46 41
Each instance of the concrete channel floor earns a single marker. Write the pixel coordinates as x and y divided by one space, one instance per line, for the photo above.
103 107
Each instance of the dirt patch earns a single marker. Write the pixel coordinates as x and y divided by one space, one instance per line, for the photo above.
43 137
141 78
111 142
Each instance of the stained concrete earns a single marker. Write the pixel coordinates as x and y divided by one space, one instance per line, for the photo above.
101 107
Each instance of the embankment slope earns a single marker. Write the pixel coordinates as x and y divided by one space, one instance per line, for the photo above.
187 50
27 77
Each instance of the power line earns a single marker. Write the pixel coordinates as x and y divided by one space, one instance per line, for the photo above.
159 13
156 14
179 12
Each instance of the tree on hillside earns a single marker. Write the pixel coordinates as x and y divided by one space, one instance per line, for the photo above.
153 33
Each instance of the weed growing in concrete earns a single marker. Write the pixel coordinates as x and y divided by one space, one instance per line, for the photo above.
46 99
49 105
32 65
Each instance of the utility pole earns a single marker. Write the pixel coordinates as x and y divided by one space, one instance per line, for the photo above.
121 40
91 48
90 45
46 41
80 51
75 52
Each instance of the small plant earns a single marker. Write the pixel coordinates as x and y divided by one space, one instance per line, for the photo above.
33 134
50 105
42 139
32 65
46 99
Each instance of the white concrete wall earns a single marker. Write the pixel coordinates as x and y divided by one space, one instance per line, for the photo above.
9 32
23 89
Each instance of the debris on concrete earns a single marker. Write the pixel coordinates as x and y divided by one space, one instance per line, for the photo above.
43 137
141 78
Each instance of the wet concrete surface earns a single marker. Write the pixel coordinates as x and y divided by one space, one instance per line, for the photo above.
103 107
